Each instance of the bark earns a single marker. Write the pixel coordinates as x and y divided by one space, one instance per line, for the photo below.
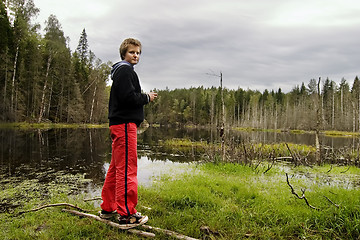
222 128
92 103
42 104
318 124
50 96
13 80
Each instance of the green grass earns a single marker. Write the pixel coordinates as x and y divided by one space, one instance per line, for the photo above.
332 133
341 133
237 203
231 201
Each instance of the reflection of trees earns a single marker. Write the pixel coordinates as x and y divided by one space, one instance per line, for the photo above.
69 150
29 152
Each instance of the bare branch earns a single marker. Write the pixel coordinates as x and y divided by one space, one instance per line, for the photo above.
302 196
270 166
345 170
336 205
92 199
53 205
292 155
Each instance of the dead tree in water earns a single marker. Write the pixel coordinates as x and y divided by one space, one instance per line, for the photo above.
318 123
222 126
222 118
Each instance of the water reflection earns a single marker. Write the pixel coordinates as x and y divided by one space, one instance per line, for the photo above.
150 171
26 153
87 151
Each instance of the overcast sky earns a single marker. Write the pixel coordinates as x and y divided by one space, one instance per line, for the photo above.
257 44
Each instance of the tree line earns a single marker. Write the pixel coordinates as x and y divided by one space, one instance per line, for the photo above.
319 105
41 79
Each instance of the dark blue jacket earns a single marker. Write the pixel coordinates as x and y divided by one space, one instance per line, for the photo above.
126 103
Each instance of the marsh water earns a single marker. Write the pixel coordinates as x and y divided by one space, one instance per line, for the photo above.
34 153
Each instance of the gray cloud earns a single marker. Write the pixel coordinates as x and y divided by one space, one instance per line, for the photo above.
257 45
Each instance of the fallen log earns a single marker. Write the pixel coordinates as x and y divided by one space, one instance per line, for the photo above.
168 232
92 199
147 227
110 223
113 224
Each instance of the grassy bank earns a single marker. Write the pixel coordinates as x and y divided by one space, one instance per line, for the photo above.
226 201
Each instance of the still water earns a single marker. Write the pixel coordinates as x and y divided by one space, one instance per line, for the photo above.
26 153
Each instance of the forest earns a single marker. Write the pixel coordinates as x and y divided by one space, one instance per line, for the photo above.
43 80
322 105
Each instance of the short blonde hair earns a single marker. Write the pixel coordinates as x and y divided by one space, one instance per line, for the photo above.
125 46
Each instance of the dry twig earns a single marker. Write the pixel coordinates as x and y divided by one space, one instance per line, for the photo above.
92 199
53 205
270 166
295 160
346 170
336 205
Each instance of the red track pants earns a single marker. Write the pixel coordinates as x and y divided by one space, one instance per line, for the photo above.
120 188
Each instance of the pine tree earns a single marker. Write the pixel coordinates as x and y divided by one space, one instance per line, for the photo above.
83 48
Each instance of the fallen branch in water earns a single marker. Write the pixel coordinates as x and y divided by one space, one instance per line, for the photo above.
110 223
302 196
53 205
